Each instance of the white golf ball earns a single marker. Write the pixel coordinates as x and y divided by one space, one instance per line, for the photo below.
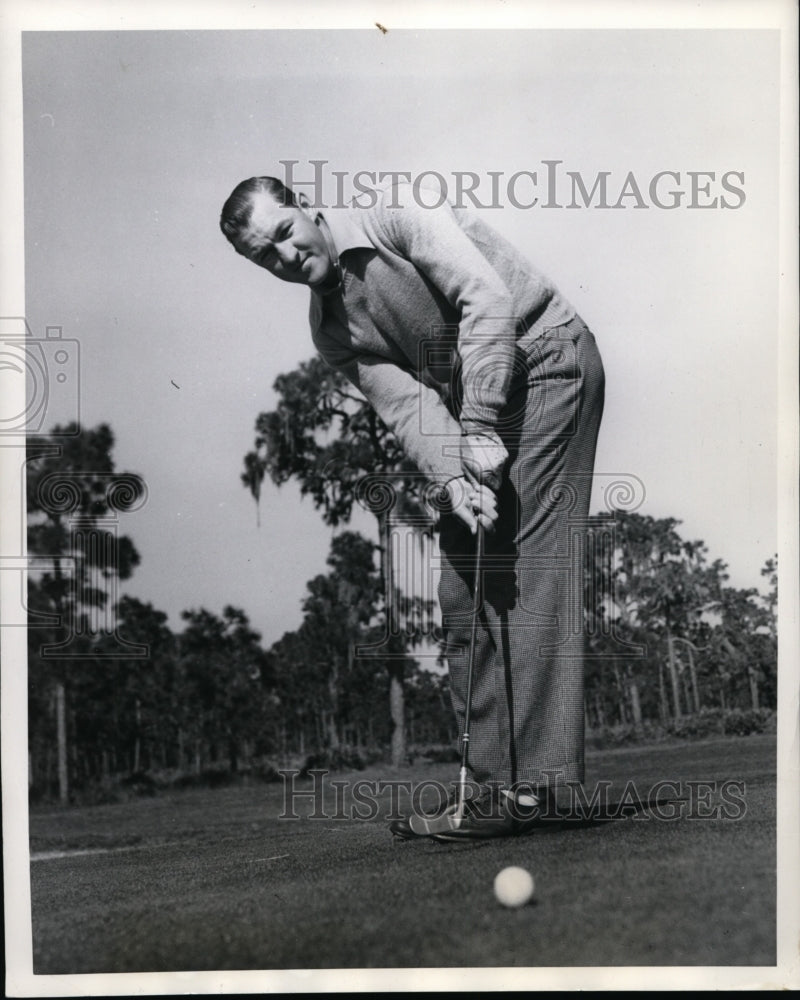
513 886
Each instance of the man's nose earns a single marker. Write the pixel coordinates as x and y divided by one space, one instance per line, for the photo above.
288 255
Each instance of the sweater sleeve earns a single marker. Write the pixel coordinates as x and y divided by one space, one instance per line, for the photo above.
435 243
412 411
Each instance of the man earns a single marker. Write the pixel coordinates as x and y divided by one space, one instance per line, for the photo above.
494 388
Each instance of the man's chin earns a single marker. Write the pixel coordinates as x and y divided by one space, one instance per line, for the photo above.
325 283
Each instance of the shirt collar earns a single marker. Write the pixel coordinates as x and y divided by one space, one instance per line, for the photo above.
343 232
346 231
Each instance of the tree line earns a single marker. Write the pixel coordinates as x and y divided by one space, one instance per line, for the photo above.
115 692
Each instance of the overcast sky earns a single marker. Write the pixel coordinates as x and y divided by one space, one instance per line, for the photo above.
134 139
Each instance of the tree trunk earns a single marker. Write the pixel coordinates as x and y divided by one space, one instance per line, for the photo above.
753 679
396 667
397 712
333 714
137 744
663 704
61 728
673 673
687 690
319 728
695 685
333 732
623 711
598 709
636 704
736 662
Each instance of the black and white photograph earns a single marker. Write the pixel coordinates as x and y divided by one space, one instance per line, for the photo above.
399 517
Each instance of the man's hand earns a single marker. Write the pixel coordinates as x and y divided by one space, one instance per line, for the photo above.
483 457
472 502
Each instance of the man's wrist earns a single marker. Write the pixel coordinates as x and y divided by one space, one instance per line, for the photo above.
481 432
471 426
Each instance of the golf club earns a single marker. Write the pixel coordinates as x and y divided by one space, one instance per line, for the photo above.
451 818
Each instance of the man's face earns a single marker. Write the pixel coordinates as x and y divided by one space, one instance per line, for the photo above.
287 242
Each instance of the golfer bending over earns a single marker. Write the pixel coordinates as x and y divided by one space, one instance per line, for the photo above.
494 388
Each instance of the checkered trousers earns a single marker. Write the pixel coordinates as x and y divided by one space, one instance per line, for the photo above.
527 719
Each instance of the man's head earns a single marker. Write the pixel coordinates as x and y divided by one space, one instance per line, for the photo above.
268 224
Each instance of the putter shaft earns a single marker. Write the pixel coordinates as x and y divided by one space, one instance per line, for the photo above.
476 604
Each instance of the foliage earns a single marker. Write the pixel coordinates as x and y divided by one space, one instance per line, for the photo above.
74 498
706 724
324 435
675 652
666 633
224 674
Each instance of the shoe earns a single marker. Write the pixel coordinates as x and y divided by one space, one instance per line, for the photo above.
498 813
421 825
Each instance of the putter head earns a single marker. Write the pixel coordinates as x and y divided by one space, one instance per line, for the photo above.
427 826
446 822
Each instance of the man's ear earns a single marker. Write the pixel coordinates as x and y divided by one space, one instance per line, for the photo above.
307 208
304 204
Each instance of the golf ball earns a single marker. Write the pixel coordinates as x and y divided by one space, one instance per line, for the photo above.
513 886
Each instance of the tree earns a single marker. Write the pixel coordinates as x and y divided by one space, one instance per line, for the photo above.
745 638
298 690
224 676
653 589
324 434
147 691
770 601
338 607
318 673
431 719
74 497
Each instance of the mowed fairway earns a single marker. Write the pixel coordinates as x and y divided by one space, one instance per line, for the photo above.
213 879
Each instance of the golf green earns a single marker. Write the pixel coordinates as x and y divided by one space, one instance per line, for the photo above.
215 879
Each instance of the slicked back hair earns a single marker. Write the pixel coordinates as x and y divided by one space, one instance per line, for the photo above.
238 209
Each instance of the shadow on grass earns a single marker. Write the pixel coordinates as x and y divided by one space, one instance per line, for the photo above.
580 817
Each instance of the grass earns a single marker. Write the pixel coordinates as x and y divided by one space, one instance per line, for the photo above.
212 879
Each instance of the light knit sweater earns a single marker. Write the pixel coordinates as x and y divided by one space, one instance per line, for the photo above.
425 323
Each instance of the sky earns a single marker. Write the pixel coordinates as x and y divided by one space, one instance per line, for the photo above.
133 140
